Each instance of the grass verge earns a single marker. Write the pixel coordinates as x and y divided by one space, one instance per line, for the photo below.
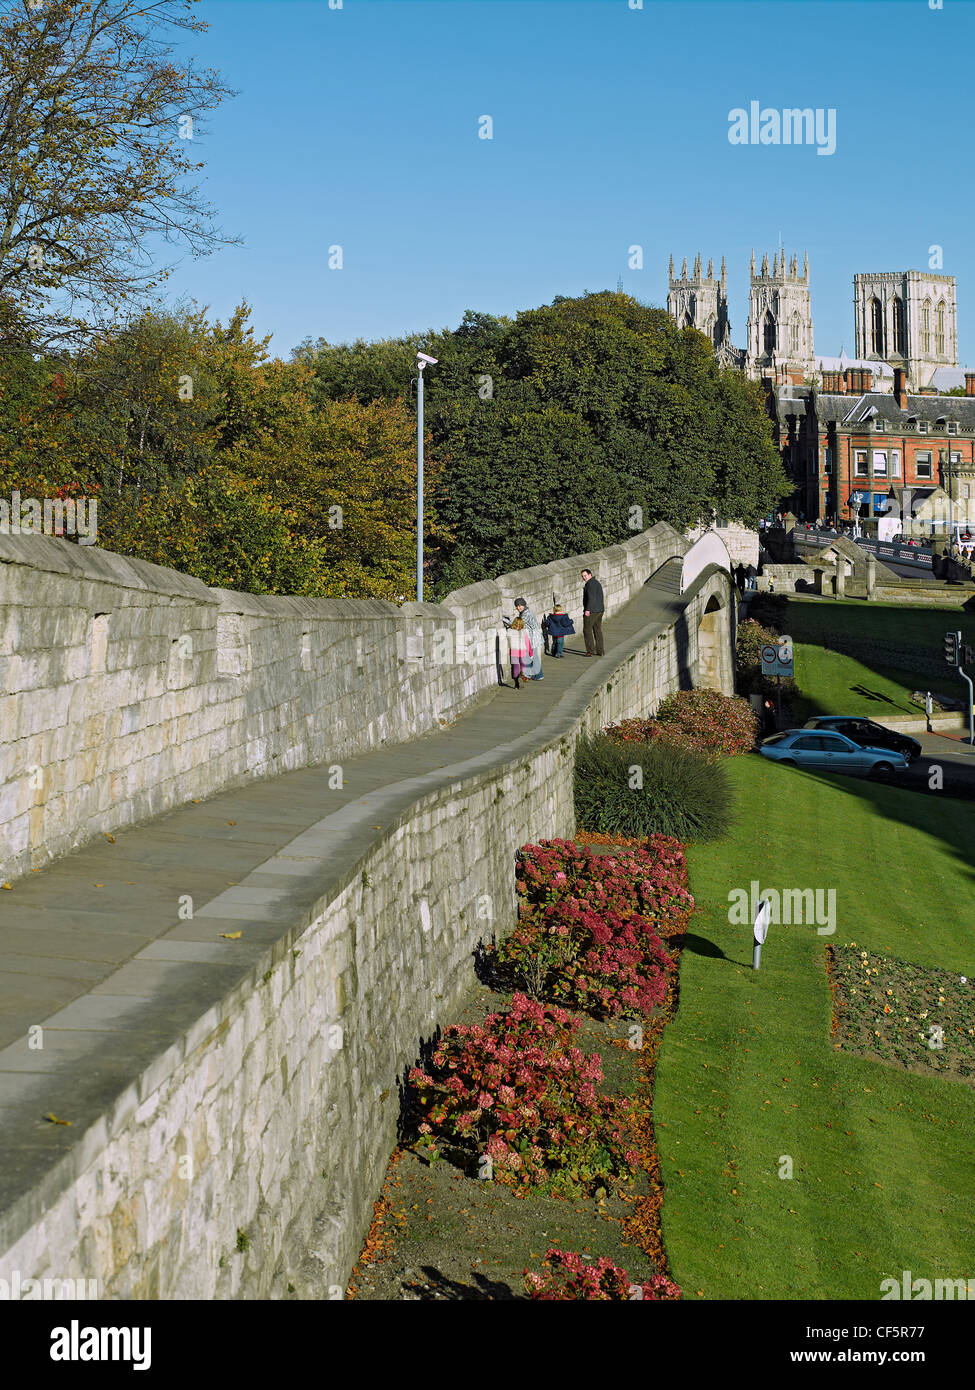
750 1084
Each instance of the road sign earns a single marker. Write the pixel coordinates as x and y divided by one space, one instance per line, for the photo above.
777 660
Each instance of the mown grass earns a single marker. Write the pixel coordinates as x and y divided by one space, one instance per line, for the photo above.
883 1160
835 682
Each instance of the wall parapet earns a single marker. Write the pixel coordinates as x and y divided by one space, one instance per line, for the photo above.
130 689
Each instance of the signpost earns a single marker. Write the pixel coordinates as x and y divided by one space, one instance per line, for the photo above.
760 928
777 661
959 655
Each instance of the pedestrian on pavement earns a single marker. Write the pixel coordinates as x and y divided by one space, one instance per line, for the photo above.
593 607
534 631
560 626
768 717
520 649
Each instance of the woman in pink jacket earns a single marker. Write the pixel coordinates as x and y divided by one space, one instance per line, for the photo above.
520 649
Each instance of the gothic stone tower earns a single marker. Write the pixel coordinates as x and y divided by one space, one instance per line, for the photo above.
700 301
909 319
780 326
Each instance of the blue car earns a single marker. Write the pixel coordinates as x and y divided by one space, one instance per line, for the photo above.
821 750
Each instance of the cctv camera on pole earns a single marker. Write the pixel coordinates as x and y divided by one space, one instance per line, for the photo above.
422 360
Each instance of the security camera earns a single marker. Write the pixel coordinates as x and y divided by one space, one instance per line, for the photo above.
422 357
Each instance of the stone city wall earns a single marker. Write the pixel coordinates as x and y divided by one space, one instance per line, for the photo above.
245 1160
127 689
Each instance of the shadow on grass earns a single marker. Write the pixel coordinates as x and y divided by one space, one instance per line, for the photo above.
946 818
437 1287
701 946
874 695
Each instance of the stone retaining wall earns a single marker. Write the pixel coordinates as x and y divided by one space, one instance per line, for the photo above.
267 1125
127 689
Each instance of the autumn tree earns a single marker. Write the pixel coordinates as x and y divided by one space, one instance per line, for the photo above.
97 121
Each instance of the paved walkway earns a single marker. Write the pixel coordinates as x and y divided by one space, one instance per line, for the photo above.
93 947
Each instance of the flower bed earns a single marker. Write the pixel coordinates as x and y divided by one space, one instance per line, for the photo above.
518 1095
591 925
651 881
906 1014
570 1276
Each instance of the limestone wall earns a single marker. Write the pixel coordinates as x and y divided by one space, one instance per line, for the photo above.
127 689
283 1095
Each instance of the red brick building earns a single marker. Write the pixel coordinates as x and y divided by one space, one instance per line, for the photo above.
849 449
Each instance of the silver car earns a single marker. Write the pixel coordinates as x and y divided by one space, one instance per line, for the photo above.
825 751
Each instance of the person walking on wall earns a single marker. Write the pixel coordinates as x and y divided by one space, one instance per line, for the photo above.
560 626
533 671
520 649
593 607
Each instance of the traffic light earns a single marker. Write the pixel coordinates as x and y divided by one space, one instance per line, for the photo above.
952 647
965 656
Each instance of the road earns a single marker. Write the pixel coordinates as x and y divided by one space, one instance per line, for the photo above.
955 759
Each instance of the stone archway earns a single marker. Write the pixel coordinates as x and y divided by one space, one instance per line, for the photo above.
711 647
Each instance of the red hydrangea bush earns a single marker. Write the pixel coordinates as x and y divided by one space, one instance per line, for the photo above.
570 1276
520 1092
704 721
650 881
590 959
590 927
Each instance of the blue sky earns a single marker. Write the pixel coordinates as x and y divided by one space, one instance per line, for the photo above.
358 127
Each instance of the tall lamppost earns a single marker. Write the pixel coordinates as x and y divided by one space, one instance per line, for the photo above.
422 360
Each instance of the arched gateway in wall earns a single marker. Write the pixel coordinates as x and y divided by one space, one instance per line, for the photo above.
712 648
714 670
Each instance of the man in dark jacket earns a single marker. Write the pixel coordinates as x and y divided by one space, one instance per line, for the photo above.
592 614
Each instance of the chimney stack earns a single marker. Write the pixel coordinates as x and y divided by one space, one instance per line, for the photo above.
900 387
970 383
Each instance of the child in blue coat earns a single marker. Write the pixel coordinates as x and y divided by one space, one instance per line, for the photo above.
560 626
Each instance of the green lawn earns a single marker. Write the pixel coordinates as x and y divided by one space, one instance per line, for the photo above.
834 682
883 1159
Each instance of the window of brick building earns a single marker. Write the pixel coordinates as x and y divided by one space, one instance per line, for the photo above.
922 464
860 463
880 463
895 463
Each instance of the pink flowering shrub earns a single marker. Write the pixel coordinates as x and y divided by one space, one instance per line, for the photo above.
590 927
571 1276
704 721
520 1092
589 959
650 881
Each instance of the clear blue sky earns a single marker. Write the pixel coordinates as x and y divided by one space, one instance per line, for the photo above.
359 127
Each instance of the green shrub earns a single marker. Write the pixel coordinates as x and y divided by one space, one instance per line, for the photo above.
636 789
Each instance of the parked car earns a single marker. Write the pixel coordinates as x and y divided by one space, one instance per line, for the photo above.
866 733
830 752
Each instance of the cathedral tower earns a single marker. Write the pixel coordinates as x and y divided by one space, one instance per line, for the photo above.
907 318
700 301
780 326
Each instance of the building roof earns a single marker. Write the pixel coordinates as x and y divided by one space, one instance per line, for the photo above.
839 364
948 378
856 410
